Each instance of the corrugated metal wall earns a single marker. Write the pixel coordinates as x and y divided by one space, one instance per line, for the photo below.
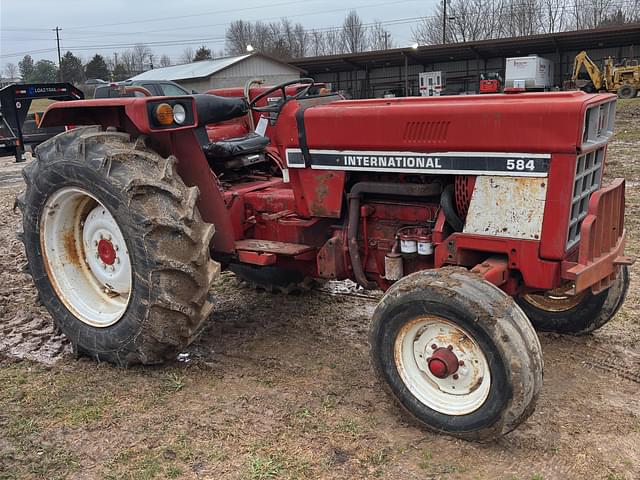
237 75
461 76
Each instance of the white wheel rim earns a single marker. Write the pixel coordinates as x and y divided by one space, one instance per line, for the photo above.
86 257
414 345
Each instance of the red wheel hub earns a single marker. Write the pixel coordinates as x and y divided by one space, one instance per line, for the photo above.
106 252
443 363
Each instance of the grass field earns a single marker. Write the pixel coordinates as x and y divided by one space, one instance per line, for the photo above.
39 105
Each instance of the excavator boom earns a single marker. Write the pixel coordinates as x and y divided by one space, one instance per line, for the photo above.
582 59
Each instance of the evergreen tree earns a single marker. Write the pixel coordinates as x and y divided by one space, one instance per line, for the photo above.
27 69
120 73
97 68
71 68
45 72
203 53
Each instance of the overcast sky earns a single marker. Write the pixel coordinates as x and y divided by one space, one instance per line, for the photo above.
105 26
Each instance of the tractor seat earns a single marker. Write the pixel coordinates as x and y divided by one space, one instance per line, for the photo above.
251 143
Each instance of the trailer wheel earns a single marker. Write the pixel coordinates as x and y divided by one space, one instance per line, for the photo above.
575 315
116 247
272 279
457 353
627 91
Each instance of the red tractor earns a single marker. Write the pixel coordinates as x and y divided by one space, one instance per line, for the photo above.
481 217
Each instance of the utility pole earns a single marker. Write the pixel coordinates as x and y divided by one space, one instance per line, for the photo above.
386 40
444 22
57 30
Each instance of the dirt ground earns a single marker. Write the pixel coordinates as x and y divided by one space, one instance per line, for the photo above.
280 387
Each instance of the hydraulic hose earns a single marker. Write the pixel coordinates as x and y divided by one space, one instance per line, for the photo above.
449 209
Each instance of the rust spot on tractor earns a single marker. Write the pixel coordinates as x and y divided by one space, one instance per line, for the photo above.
321 192
71 248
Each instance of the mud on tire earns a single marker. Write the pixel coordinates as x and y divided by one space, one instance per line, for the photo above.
166 239
475 316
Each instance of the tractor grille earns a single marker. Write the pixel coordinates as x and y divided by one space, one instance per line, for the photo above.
587 180
425 132
598 124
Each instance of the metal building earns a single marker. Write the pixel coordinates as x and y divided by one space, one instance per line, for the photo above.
224 72
372 74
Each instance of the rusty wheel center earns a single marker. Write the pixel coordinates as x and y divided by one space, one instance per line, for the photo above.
86 256
554 300
106 252
443 363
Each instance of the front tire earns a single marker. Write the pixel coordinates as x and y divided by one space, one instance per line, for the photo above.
116 247
577 315
626 92
457 354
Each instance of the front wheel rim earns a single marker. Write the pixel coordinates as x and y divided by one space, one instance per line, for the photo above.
461 392
86 257
554 300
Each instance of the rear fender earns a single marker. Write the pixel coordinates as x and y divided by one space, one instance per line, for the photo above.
128 114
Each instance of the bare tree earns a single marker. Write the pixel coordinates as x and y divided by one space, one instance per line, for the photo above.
354 34
317 43
429 30
11 71
555 18
165 61
187 55
140 54
239 34
333 42
301 41
282 39
379 37
592 13
127 61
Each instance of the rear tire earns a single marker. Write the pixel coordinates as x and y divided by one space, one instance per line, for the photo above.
496 348
627 91
165 241
588 313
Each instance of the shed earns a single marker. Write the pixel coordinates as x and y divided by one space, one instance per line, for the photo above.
372 74
225 72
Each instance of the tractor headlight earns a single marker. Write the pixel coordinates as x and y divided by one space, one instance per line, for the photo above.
179 114
164 114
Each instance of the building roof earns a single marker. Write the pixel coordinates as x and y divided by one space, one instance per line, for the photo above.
502 47
203 68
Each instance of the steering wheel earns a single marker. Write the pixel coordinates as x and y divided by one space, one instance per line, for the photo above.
276 107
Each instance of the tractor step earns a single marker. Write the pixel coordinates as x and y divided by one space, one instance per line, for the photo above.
264 252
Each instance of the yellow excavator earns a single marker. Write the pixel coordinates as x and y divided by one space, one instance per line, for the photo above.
623 79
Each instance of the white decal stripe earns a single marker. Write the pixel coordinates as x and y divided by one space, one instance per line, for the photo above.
503 173
429 154
509 173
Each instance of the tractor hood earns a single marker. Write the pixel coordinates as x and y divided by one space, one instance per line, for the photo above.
542 122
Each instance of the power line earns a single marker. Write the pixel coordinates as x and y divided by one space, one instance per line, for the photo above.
224 24
175 17
221 39
195 41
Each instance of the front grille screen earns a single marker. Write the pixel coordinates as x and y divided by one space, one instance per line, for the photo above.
587 180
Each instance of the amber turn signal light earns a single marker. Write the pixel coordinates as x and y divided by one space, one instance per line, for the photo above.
164 114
